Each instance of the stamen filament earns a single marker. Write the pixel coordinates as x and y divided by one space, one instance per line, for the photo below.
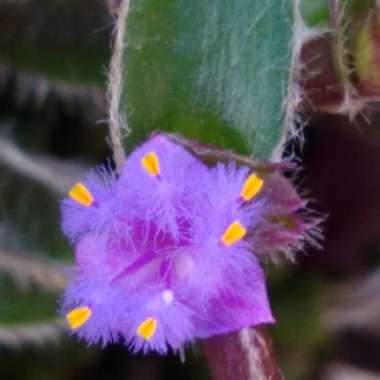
135 266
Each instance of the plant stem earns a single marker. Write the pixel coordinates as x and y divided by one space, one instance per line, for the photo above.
243 355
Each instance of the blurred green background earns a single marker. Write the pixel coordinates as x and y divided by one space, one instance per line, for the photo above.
54 57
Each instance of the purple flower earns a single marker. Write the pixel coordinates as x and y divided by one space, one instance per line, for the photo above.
168 251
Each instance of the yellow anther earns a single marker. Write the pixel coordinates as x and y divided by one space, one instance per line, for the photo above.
233 233
80 194
251 187
147 328
151 164
78 317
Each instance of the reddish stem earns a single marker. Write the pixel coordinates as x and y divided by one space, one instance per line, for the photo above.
113 6
244 355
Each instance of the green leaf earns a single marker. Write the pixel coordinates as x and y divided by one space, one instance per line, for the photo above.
315 12
212 70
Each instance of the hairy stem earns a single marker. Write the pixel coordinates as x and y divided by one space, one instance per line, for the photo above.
117 121
55 175
27 270
244 355
32 334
